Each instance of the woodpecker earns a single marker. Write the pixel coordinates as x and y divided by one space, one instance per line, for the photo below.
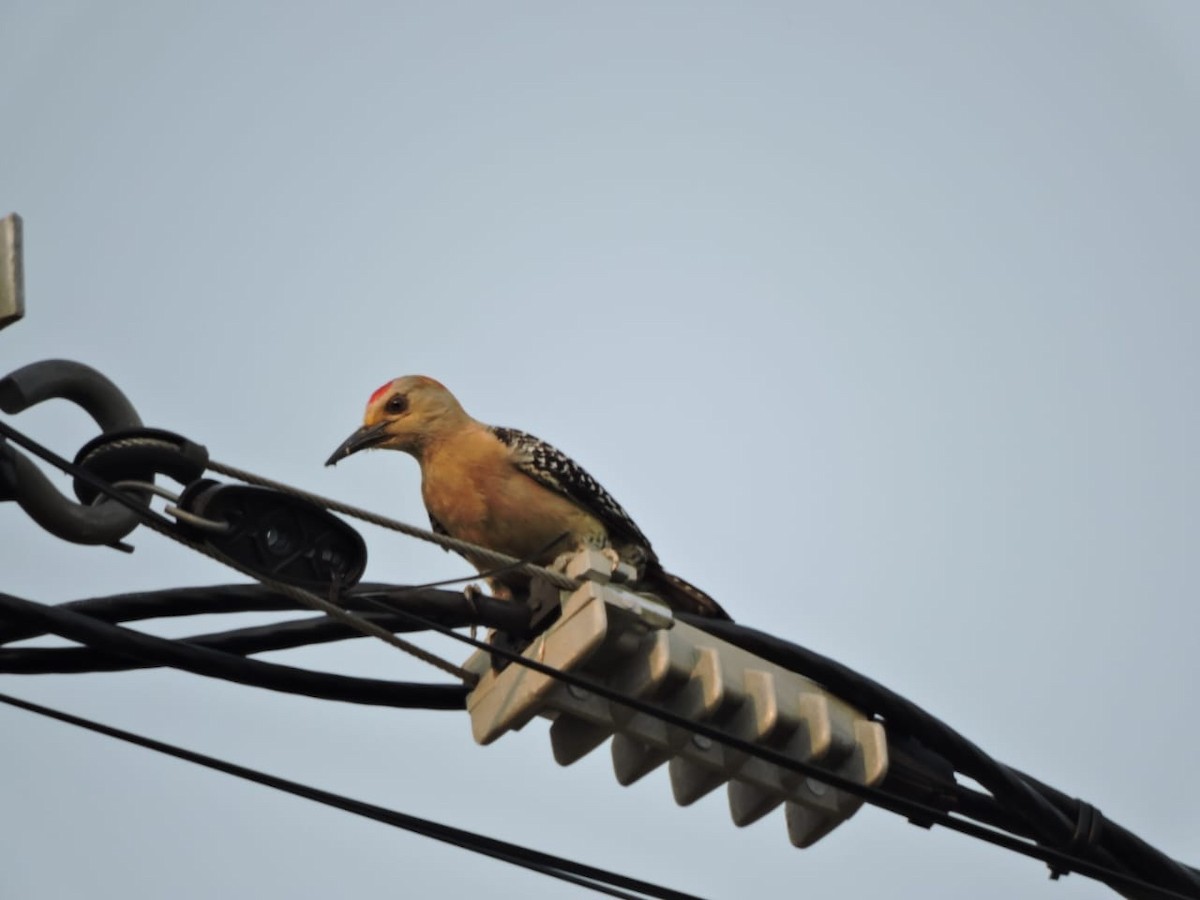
507 490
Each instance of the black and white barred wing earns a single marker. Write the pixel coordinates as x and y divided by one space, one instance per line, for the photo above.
555 470
552 468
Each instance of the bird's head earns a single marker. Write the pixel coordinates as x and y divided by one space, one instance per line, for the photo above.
404 414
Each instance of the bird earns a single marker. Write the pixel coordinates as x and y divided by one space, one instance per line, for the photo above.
509 491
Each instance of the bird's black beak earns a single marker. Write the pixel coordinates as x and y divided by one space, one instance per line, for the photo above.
367 436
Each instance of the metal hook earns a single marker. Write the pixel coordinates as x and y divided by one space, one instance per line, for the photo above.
21 480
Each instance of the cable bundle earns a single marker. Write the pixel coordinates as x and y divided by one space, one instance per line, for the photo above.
1040 822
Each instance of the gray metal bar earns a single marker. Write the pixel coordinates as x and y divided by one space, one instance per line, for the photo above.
12 271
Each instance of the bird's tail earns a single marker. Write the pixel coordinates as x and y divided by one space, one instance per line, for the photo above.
682 595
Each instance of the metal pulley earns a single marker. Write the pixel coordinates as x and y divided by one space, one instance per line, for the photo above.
278 535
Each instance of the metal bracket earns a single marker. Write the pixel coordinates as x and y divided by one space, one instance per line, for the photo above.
624 642
12 271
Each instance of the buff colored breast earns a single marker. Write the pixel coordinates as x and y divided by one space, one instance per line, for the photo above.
472 489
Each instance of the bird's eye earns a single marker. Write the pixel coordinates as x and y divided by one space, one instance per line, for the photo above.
397 404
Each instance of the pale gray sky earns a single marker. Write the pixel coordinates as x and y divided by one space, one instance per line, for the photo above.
880 318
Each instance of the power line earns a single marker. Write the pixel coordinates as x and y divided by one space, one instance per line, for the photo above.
592 877
205 661
1008 787
73 625
874 795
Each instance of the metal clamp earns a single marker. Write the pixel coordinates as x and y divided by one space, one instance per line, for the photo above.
105 522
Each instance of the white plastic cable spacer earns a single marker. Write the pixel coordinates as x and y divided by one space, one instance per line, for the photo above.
633 645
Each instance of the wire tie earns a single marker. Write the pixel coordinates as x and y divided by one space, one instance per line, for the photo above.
1088 823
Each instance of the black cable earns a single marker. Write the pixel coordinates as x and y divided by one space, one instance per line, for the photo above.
1009 786
250 597
1126 844
243 642
1044 821
447 607
1040 815
597 879
904 807
892 802
202 661
280 635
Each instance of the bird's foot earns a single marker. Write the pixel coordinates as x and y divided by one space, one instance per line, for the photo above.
471 593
